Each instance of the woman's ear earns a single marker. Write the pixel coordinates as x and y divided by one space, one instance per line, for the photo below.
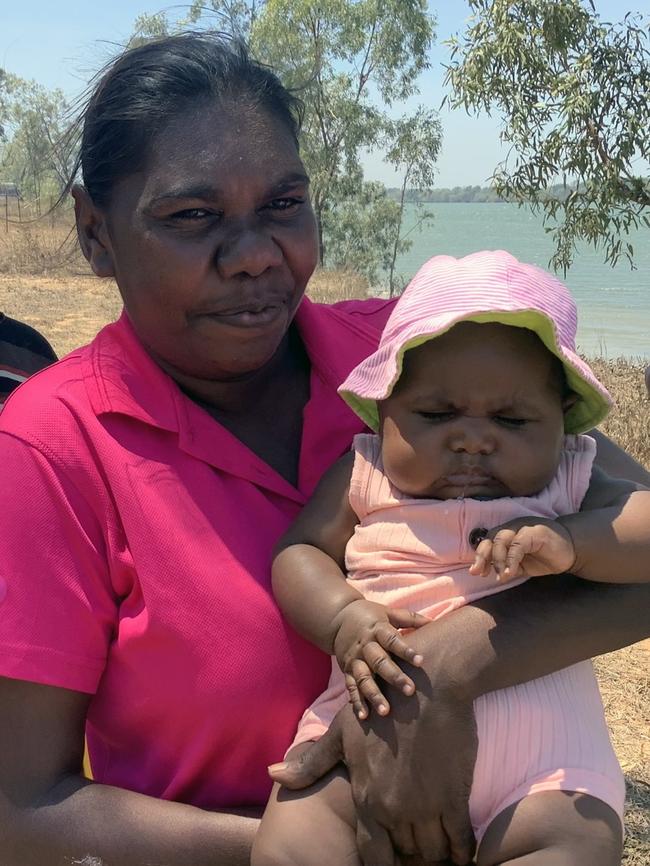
92 233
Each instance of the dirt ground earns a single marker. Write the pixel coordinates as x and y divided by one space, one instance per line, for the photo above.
70 309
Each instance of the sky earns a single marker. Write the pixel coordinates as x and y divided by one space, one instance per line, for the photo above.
62 44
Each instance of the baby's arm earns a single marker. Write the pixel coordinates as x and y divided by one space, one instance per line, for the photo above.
608 540
310 587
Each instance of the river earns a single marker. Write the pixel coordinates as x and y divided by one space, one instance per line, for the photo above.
613 303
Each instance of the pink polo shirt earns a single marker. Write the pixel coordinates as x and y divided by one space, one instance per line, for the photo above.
135 549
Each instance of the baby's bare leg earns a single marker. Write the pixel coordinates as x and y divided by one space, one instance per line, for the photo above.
315 827
553 828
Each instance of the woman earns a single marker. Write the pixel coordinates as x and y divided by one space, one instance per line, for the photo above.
162 462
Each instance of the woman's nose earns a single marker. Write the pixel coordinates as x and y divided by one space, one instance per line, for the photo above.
247 252
472 436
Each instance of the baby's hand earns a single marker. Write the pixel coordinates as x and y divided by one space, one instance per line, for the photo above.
366 638
527 547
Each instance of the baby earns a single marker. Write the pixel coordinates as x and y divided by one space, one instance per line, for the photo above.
475 480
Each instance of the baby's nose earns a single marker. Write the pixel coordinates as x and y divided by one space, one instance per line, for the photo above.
473 436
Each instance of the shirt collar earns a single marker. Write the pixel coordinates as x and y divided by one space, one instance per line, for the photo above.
121 376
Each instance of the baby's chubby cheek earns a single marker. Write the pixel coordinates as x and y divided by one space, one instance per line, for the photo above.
412 457
405 469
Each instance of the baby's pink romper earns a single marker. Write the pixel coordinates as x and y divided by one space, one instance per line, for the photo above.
548 734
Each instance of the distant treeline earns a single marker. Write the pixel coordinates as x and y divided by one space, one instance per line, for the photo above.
468 193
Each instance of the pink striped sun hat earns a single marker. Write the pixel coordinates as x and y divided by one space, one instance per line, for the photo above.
482 287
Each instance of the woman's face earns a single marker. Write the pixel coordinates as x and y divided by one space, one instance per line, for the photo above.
477 412
213 242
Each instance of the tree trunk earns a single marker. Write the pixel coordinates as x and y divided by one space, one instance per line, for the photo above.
391 272
321 242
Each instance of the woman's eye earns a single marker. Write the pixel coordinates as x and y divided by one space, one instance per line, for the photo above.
284 204
191 214
508 421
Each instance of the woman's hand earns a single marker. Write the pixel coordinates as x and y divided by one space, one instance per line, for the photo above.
526 547
411 776
366 638
410 772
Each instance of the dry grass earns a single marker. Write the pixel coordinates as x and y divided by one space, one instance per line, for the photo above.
624 676
629 422
52 290
44 246
67 310
327 287
624 679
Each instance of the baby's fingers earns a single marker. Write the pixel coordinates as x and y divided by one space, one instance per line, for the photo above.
482 559
519 548
383 665
392 640
362 675
359 706
400 617
500 546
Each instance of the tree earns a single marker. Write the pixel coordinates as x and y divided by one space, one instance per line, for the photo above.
37 157
573 92
361 231
5 91
150 26
336 51
236 16
349 61
416 142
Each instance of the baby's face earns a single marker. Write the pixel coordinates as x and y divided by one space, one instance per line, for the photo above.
478 412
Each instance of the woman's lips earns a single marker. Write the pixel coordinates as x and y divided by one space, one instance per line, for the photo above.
256 317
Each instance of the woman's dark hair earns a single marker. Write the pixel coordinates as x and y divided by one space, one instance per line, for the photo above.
144 88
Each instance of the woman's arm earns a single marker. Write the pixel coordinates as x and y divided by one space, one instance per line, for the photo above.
50 814
611 532
616 463
541 626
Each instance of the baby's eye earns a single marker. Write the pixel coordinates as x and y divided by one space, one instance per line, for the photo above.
508 421
437 417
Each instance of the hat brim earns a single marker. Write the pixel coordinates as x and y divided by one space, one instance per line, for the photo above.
383 368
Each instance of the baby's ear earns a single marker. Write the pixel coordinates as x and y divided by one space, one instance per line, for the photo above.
569 400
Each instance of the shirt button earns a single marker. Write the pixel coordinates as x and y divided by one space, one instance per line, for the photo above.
477 535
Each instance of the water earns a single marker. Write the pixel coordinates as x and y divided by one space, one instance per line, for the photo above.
613 303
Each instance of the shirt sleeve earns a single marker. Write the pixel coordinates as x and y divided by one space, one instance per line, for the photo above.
57 606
